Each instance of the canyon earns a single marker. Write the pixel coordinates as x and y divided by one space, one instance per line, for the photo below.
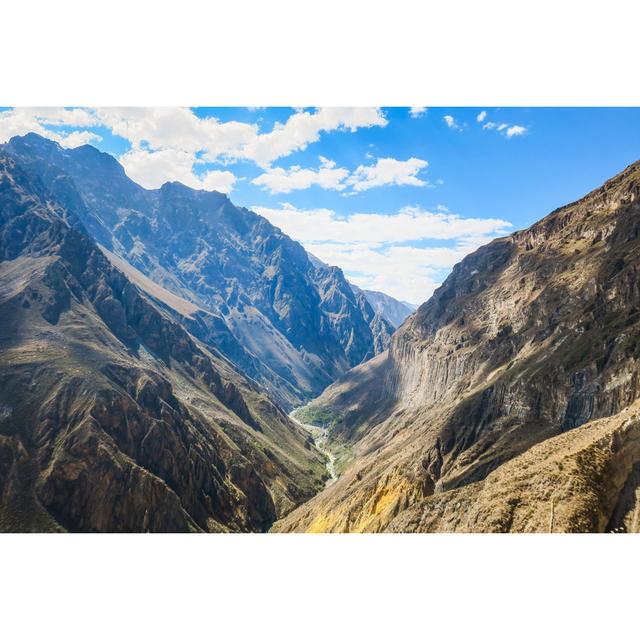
155 342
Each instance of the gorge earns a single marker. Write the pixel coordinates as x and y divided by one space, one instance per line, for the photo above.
154 343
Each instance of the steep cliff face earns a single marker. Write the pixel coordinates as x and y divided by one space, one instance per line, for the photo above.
112 416
532 336
291 325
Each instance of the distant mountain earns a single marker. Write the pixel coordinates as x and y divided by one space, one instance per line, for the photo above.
292 325
395 312
510 400
112 416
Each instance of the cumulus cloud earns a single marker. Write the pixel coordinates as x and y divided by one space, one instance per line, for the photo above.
279 180
152 169
406 273
416 112
162 128
451 123
172 132
222 181
385 171
303 128
481 116
388 171
78 138
379 251
23 120
158 135
409 224
180 128
19 121
516 130
61 116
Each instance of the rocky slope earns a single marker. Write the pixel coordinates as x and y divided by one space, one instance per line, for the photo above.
508 395
292 325
112 416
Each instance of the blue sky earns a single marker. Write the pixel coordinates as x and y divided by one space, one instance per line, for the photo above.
394 196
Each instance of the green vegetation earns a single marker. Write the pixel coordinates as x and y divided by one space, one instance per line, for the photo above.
317 416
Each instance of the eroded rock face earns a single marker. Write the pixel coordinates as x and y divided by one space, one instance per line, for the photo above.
112 416
293 324
532 336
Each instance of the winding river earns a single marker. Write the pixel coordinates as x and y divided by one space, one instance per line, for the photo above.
320 440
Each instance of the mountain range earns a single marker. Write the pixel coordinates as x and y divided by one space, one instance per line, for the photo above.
154 341
291 323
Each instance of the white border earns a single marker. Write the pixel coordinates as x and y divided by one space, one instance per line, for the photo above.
335 52
324 586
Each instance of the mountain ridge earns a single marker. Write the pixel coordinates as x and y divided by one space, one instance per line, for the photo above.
249 276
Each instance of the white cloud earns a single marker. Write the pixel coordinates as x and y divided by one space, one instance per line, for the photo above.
481 116
61 116
279 180
180 129
505 129
409 224
303 128
23 120
78 138
160 135
451 123
222 181
375 250
416 112
406 273
388 171
516 130
152 169
177 128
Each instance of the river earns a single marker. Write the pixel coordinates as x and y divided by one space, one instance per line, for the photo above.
320 440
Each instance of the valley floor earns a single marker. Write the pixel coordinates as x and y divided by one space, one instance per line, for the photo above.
321 442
